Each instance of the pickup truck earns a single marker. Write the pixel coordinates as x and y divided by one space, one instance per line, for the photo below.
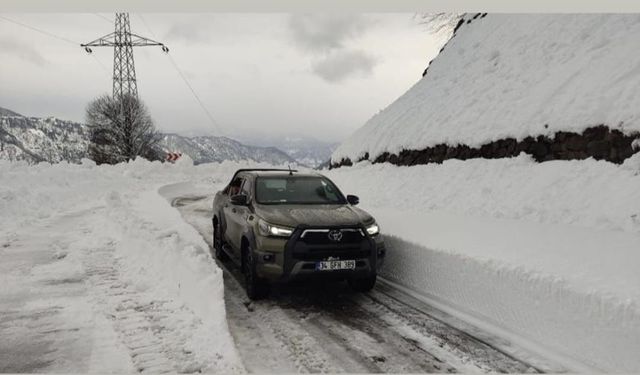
280 225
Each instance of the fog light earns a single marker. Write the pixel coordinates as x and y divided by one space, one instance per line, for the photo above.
268 257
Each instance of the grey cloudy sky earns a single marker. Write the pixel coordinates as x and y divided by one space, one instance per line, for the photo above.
318 75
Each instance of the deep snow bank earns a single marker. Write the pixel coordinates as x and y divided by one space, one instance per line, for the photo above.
513 76
161 259
547 252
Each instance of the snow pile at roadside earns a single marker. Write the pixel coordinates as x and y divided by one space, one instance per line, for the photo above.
140 260
508 75
547 254
587 193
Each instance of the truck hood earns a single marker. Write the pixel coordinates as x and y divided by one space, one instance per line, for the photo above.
313 215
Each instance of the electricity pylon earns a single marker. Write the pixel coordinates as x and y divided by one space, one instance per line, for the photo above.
123 41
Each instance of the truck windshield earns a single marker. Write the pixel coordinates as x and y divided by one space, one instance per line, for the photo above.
297 190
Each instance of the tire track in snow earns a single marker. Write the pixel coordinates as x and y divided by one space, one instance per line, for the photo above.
483 354
117 301
304 352
155 331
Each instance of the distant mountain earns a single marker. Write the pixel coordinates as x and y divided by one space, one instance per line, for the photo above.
37 139
206 149
53 140
6 112
305 150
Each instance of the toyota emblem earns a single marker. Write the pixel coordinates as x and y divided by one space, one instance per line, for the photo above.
335 235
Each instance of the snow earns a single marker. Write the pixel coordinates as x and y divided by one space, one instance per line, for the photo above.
118 274
509 75
544 254
547 253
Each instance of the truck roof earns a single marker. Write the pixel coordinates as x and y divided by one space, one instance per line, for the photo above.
275 172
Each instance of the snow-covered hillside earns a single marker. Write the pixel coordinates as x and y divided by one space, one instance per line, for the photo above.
37 139
513 76
53 140
207 149
305 150
8 112
545 253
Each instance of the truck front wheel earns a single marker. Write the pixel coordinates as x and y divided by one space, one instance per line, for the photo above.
218 243
257 288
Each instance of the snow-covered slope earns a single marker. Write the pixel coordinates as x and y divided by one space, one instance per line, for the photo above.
508 75
8 112
207 149
37 139
305 150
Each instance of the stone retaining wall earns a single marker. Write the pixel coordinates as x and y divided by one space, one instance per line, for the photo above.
598 142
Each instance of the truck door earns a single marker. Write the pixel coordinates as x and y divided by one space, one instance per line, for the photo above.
235 217
229 210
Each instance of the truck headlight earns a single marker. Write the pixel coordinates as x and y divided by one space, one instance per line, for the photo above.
267 229
373 229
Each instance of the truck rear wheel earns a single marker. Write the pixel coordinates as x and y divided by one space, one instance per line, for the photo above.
363 284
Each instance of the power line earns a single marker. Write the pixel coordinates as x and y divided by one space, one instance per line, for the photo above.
213 121
123 42
146 25
104 18
186 81
52 35
101 64
40 31
173 62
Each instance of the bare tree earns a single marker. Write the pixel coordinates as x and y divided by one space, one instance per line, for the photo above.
438 23
121 130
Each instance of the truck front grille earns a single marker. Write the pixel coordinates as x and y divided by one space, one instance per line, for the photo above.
321 236
315 244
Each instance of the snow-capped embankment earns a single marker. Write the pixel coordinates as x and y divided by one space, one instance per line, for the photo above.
144 278
509 77
547 254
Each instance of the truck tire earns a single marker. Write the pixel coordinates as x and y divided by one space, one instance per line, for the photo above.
257 288
363 284
218 243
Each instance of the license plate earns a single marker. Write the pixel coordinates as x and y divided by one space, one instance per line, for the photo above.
332 265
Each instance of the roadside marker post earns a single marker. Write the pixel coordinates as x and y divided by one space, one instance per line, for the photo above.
173 156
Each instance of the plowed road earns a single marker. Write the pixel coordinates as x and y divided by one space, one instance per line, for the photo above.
325 327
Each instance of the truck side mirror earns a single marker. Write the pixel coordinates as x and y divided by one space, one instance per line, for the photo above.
240 200
353 199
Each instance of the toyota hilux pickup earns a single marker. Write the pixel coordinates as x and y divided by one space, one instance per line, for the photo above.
280 225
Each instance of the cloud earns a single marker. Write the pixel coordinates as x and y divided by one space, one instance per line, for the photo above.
343 64
22 51
192 32
327 38
324 32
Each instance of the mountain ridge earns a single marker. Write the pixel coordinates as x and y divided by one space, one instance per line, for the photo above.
36 139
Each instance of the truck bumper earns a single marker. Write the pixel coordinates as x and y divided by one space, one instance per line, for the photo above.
298 259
